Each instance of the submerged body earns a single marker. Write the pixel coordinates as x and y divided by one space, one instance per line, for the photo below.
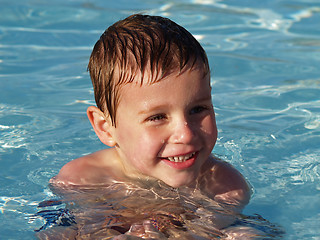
144 209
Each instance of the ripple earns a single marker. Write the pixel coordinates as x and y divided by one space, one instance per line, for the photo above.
269 19
12 131
305 169
41 176
313 123
17 124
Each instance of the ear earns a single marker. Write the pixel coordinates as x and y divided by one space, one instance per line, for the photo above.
101 125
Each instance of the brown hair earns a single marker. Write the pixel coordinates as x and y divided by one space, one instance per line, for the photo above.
136 44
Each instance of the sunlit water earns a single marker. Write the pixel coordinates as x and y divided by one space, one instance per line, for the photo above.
264 57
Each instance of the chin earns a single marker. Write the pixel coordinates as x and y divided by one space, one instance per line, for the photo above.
176 183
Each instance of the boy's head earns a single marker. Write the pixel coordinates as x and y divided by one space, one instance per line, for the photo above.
148 46
155 75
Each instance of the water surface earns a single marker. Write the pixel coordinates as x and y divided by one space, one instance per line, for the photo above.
264 58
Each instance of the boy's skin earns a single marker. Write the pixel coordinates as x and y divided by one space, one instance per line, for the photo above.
164 130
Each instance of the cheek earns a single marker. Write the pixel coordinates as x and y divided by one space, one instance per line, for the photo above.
137 142
209 128
143 152
150 142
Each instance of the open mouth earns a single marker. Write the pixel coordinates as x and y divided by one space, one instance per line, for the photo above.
182 161
182 158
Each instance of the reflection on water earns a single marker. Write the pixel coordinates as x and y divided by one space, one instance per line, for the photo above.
184 213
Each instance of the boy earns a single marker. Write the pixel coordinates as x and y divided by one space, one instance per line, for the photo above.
151 81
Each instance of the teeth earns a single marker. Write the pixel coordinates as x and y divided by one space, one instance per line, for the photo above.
181 158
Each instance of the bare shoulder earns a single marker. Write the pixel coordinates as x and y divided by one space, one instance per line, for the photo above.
86 170
224 183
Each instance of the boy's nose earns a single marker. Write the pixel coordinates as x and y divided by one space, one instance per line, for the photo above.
183 133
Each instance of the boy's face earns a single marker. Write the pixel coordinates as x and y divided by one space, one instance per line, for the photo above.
166 130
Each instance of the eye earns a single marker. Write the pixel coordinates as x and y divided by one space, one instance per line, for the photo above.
199 109
157 117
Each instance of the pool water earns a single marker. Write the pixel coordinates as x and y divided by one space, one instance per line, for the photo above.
264 57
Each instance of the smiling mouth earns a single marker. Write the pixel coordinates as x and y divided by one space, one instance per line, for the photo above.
181 158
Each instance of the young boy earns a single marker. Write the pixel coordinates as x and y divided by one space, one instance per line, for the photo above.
151 82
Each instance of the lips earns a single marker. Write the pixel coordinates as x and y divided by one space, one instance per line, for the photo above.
182 161
181 158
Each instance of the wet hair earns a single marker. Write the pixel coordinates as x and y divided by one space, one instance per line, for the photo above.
152 46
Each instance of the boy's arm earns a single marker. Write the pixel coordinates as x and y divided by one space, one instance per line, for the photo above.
227 185
73 173
92 169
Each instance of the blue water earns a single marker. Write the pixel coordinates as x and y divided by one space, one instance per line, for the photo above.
264 57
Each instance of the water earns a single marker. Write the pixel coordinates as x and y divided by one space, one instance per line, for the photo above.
177 213
264 58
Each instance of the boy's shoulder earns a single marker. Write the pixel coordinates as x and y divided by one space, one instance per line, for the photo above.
91 169
222 182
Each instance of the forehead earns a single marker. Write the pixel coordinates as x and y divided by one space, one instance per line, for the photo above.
193 81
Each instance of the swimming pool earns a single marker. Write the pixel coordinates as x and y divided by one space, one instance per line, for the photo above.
266 86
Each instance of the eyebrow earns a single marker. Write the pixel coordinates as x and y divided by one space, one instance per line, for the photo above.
159 107
151 109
